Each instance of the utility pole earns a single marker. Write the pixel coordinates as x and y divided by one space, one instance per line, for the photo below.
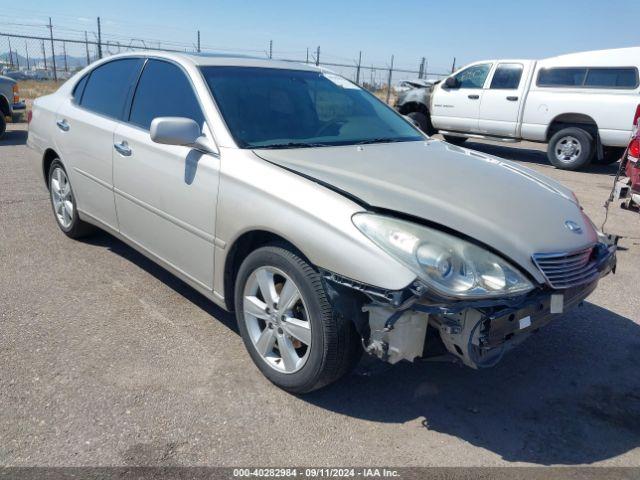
453 67
421 69
318 56
10 53
307 54
53 52
389 81
26 51
44 55
270 49
99 39
86 47
64 51
358 69
199 41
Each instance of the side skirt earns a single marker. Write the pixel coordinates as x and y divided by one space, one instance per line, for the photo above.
214 296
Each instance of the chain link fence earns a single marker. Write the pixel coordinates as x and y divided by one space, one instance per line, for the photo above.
51 59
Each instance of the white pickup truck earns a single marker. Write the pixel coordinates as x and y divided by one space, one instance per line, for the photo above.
581 104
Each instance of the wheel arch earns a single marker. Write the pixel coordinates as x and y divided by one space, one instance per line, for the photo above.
566 120
5 106
409 107
47 159
239 250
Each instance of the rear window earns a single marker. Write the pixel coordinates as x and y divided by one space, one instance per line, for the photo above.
109 86
589 77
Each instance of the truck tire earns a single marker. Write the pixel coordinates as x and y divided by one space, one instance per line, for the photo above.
422 121
3 124
611 155
570 149
454 140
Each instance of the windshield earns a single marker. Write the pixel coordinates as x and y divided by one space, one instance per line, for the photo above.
279 108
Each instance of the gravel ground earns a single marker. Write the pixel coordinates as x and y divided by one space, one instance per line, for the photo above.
106 359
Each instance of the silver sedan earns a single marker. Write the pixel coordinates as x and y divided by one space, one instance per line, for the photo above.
324 219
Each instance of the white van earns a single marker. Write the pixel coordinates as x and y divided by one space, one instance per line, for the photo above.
581 104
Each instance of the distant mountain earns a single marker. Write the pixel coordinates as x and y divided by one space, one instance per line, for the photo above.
73 63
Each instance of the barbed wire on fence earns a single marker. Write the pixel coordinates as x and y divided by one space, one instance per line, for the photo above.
50 57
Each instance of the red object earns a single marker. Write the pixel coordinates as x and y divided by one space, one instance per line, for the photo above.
633 158
636 117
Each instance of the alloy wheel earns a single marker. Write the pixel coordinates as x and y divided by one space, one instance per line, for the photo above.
61 197
568 149
276 319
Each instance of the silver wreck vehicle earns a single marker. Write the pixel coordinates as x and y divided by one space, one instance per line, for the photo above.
324 219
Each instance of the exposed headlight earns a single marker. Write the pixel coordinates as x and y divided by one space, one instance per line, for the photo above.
451 266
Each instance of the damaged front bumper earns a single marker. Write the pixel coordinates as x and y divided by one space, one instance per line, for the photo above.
397 325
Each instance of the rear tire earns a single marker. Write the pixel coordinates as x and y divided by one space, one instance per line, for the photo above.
610 155
328 345
423 122
454 140
570 149
64 203
3 124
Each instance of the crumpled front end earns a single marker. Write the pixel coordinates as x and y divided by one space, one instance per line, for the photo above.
417 323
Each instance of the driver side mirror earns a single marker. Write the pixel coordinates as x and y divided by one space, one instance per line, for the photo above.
451 82
180 131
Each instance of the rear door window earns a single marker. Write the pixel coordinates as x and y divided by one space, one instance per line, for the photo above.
110 85
507 76
79 89
164 91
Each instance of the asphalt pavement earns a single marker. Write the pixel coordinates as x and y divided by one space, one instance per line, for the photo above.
107 359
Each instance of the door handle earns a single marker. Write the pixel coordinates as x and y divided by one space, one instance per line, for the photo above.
63 125
123 148
512 99
474 97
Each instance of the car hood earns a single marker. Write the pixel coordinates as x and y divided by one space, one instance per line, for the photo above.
509 208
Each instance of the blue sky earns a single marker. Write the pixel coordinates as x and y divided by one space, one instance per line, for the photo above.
409 29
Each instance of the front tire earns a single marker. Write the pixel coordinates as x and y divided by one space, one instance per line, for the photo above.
570 149
64 203
287 323
423 122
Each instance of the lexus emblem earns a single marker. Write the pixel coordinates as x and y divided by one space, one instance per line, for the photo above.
573 226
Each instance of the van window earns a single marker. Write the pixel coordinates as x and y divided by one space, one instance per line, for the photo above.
612 78
164 91
474 76
109 86
589 77
507 76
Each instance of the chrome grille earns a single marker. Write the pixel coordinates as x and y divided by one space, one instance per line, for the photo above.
565 270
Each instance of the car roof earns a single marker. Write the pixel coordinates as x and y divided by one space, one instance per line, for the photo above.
221 59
